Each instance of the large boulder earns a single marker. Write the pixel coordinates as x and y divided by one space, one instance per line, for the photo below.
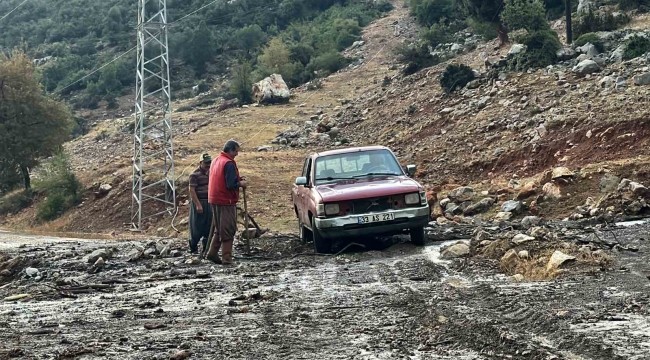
457 250
511 206
557 259
586 67
272 90
566 53
479 207
460 194
642 79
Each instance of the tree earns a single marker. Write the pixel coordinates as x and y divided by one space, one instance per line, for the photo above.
525 14
487 11
276 59
249 38
200 50
241 82
32 125
114 25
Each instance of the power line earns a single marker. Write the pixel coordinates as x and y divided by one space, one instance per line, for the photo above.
16 8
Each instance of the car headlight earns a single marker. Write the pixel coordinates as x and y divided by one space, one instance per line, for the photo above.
331 209
412 199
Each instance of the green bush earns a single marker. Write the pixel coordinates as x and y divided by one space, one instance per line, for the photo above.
13 203
436 34
429 12
80 127
486 30
455 77
633 4
330 62
590 38
384 6
524 14
636 46
241 83
62 187
541 51
416 57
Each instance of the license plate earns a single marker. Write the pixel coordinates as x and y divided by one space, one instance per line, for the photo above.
376 218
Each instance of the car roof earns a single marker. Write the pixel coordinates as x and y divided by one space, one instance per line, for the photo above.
349 150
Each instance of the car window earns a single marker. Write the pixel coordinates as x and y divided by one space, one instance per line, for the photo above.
357 164
305 168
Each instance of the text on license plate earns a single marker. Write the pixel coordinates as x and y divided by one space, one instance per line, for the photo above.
376 218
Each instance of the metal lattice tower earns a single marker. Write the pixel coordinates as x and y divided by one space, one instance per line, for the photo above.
153 150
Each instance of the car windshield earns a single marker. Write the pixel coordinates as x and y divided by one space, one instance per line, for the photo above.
356 165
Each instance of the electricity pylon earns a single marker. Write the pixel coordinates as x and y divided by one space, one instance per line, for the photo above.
153 150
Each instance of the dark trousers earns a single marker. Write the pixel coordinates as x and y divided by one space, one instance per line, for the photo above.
200 225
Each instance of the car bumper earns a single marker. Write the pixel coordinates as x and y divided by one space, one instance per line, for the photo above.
349 225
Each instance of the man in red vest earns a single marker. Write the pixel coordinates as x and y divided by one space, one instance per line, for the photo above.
223 194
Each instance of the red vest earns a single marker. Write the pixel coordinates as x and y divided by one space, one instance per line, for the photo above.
218 192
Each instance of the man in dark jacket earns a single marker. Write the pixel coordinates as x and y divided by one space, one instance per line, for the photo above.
200 210
223 195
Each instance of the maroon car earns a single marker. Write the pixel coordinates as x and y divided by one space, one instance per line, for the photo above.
355 192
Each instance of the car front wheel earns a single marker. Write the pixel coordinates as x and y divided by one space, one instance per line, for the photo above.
417 236
321 245
304 233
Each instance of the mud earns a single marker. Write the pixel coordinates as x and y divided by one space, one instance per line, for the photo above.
398 302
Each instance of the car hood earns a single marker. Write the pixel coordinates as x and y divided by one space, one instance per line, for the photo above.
367 188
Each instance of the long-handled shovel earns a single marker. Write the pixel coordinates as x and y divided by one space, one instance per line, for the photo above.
212 225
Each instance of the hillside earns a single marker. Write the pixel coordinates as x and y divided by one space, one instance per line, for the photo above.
499 135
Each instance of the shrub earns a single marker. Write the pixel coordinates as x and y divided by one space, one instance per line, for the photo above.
62 187
241 83
486 30
636 46
416 57
455 77
523 14
14 203
330 62
633 4
80 127
541 51
384 6
590 38
429 12
436 34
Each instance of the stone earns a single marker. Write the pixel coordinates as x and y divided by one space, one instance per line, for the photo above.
522 238
99 253
607 82
176 253
511 206
271 90
585 6
333 133
516 49
586 67
503 216
562 172
165 251
566 53
150 252
551 190
498 152
557 259
527 191
447 110
523 254
530 221
99 263
589 50
104 189
634 208
135 254
480 207
642 79
264 148
456 47
444 202
457 250
509 260
617 55
462 193
357 44
482 235
453 209
638 189
485 243
624 185
517 278
32 272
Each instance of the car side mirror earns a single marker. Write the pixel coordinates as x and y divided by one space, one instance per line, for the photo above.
301 181
411 169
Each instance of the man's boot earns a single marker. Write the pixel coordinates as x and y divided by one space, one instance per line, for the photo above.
227 253
213 252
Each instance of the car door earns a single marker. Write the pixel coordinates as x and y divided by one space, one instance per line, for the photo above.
302 194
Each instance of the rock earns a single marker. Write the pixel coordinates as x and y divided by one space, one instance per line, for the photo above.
183 354
557 259
462 193
264 148
516 49
446 110
509 260
333 133
99 253
482 235
357 44
511 206
453 209
271 90
456 47
527 191
104 189
566 53
562 172
617 55
522 238
165 251
607 82
135 254
634 208
503 216
444 202
586 67
641 80
638 189
99 263
480 207
455 251
523 254
498 152
589 50
517 278
485 243
150 252
551 190
176 253
624 185
530 221
193 261
5 273
32 272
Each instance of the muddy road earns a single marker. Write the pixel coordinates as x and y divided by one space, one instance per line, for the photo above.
396 302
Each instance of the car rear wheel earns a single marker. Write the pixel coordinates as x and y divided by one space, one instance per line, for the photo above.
417 236
321 245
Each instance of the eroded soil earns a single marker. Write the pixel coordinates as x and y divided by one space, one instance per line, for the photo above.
400 301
